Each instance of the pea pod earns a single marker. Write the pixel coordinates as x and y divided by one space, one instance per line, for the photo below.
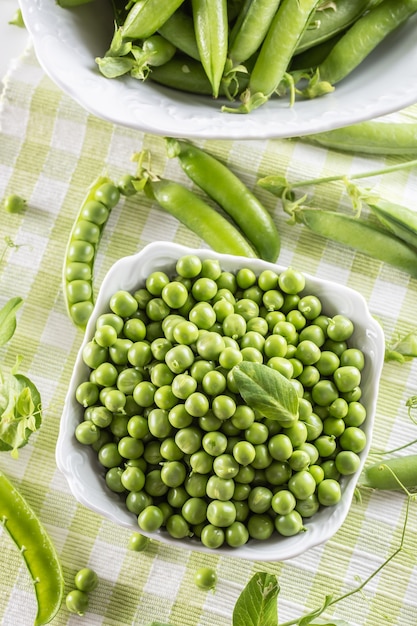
211 30
397 138
179 31
225 188
362 236
147 16
250 28
398 219
187 74
330 20
384 474
363 37
82 245
276 52
37 550
199 217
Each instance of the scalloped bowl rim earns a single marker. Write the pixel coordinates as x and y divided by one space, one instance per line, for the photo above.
79 463
66 43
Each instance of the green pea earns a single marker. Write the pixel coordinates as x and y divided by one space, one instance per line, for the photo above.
76 601
86 579
138 542
14 203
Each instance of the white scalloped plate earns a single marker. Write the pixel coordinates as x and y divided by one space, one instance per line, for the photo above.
80 465
67 42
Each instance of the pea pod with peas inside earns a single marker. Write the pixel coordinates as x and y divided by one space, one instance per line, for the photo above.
225 188
392 474
373 137
196 214
363 37
331 18
147 16
37 550
359 235
211 31
250 28
81 249
276 52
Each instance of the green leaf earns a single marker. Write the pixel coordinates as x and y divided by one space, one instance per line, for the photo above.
276 185
404 349
267 391
257 604
8 319
20 411
112 67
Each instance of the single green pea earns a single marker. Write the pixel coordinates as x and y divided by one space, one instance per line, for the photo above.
86 579
138 542
108 194
14 203
77 602
205 578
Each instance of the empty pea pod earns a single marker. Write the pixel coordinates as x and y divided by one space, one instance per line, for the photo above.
82 244
211 30
359 235
37 550
392 474
199 217
363 37
225 188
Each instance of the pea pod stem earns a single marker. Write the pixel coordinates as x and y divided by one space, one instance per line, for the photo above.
37 550
359 235
225 188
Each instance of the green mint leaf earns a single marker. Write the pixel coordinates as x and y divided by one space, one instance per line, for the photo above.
257 604
8 319
267 391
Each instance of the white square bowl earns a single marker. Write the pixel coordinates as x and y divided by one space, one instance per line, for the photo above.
79 462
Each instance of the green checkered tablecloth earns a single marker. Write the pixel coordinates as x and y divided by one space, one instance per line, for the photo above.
50 151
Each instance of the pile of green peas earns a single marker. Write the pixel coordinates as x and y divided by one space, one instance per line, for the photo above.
172 433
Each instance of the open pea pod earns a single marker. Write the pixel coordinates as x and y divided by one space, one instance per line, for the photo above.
32 540
83 240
